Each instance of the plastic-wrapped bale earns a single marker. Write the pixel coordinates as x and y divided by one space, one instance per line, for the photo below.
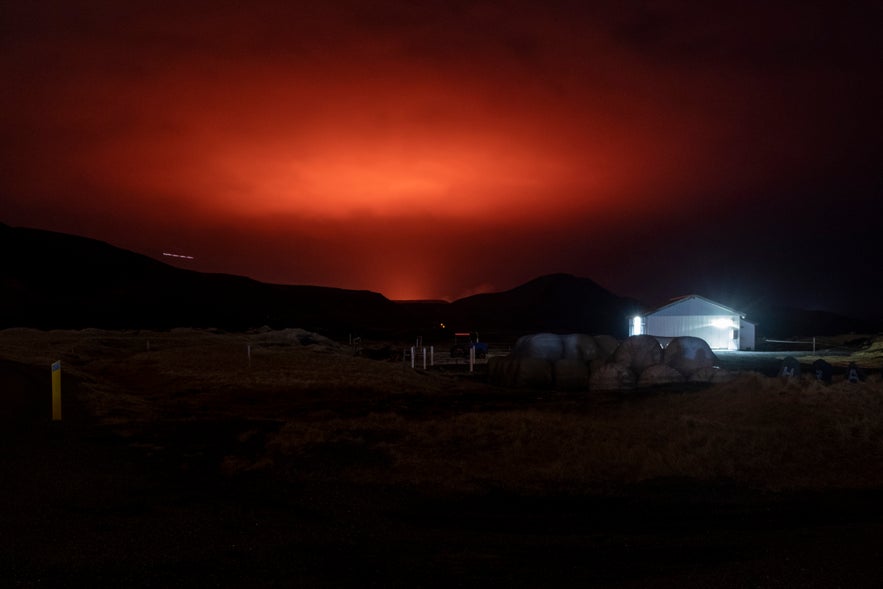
607 345
571 375
501 371
711 374
854 373
823 370
790 367
612 377
579 346
520 372
659 374
688 354
533 373
547 346
638 352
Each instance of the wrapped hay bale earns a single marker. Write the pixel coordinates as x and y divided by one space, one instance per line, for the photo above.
790 367
612 377
547 346
823 371
579 346
520 372
638 352
596 365
688 354
533 373
500 371
570 374
711 374
659 374
607 345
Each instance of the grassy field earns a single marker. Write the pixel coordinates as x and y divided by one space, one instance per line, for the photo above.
200 458
297 406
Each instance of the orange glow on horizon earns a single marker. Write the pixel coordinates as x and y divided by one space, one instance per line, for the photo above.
455 147
428 150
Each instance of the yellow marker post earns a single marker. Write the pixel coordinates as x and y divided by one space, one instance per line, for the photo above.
56 391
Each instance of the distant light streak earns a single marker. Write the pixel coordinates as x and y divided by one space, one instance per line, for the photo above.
178 256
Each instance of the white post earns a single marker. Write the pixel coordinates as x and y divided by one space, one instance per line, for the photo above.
412 356
471 358
424 358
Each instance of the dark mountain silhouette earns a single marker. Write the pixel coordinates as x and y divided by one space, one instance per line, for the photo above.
52 280
557 302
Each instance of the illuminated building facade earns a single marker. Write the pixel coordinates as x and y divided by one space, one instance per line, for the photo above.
722 327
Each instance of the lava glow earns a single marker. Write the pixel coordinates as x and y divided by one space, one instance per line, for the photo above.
430 150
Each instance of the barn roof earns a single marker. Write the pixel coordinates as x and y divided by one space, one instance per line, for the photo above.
694 297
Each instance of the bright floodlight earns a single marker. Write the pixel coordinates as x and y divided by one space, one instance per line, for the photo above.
636 325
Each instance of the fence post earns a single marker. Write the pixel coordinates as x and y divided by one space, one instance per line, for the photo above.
432 355
56 390
424 358
471 358
412 356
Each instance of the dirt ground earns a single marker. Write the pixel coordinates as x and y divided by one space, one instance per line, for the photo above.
90 501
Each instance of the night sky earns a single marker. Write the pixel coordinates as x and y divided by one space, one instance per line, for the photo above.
440 149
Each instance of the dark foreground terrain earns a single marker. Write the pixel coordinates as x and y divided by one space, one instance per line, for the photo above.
180 499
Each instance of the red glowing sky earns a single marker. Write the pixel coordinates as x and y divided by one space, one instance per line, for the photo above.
442 149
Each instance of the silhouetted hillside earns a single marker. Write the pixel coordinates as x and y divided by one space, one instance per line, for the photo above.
53 280
556 302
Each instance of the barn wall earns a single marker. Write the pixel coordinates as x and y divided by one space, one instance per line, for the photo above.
746 336
702 326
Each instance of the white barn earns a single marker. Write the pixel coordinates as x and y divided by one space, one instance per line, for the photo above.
722 327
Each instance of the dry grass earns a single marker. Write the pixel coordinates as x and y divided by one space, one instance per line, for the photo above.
757 431
344 418
866 351
138 376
